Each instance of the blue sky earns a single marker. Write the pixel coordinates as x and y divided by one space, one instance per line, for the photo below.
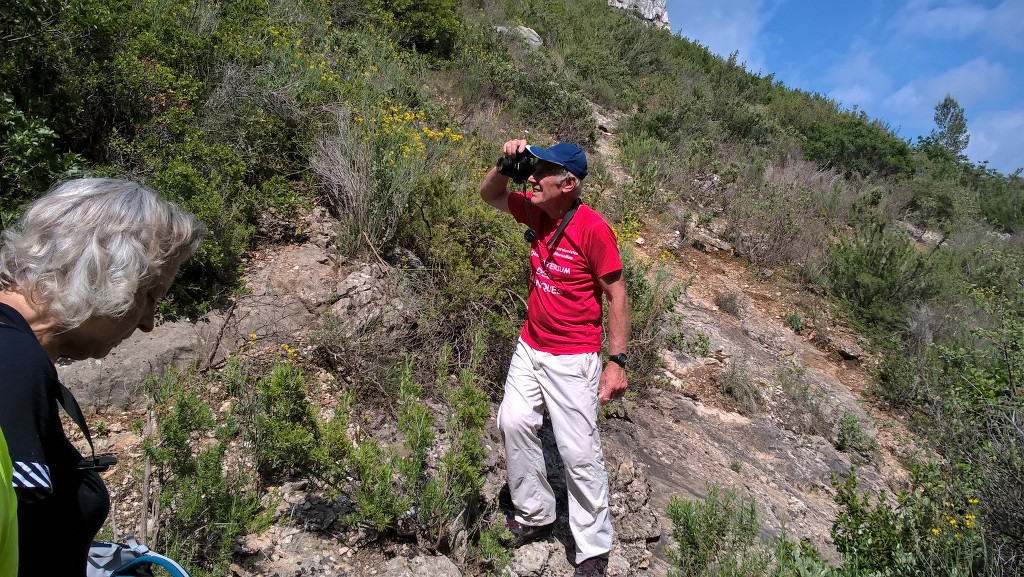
894 59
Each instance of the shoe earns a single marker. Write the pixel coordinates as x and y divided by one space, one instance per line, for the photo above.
593 567
523 534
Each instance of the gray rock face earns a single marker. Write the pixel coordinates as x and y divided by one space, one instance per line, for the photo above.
115 383
654 12
422 566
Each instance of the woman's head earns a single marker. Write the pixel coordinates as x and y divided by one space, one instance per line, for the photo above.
91 247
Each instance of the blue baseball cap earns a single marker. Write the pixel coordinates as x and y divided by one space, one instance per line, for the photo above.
564 154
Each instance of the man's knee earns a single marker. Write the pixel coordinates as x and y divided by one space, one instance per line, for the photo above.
583 463
517 421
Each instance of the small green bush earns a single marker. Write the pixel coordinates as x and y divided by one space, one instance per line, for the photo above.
858 146
282 423
700 345
803 402
729 302
431 26
721 536
898 379
415 422
206 501
717 536
738 384
29 158
371 163
378 495
852 438
795 322
652 294
451 499
877 270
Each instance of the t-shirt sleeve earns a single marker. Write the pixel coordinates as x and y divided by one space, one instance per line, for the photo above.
25 415
517 205
603 250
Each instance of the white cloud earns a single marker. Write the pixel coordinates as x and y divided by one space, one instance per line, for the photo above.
959 19
971 83
857 80
724 27
998 136
943 19
1007 24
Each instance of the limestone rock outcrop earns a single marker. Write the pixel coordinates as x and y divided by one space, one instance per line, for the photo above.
654 12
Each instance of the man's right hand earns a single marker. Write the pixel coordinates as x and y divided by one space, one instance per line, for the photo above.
514 147
494 188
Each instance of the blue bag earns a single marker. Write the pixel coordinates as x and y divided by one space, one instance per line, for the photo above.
131 559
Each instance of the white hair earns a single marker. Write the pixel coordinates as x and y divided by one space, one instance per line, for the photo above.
88 246
563 174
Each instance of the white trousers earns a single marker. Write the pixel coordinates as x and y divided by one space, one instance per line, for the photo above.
567 386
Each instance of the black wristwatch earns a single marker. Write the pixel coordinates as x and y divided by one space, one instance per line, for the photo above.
619 359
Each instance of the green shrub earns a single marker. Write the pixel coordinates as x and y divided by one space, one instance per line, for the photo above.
782 219
372 163
974 400
858 146
1001 200
378 494
490 549
729 302
795 322
433 26
878 271
699 345
933 529
474 275
738 384
717 536
852 438
29 158
451 499
652 294
332 455
802 401
721 536
415 422
898 380
206 501
281 424
530 86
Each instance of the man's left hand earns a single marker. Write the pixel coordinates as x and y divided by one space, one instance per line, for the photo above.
613 383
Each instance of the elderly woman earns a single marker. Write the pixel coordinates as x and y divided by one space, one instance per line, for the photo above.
82 270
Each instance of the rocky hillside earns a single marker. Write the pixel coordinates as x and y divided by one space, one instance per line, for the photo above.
749 398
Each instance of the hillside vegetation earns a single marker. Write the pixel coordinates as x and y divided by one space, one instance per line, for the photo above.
250 112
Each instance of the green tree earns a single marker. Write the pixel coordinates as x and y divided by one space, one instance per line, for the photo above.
855 144
952 126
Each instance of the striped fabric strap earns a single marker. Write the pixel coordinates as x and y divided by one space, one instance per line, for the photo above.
32 480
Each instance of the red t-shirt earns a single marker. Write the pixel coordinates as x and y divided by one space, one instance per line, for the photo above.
563 314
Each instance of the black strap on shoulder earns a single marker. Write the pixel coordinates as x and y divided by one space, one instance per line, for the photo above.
553 241
72 408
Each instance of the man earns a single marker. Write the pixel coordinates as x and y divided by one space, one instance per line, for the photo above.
574 261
